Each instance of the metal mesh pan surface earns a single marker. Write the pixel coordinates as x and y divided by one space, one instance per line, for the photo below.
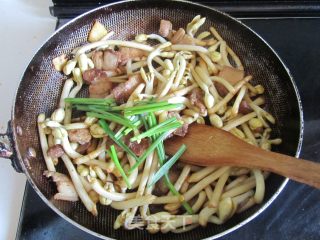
41 85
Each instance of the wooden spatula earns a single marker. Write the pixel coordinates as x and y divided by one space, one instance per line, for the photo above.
208 146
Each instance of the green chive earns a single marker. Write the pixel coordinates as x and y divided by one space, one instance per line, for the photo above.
152 119
91 108
174 191
165 167
112 117
112 153
149 150
125 131
144 122
110 133
147 105
120 134
104 110
157 129
90 101
161 154
82 108
168 127
147 109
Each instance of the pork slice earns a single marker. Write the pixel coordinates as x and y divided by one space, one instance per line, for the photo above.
111 60
55 151
89 76
244 107
178 36
161 188
97 58
221 89
196 96
111 142
196 99
165 28
106 60
127 53
188 40
231 74
80 136
182 131
139 148
100 87
65 187
82 148
123 91
92 145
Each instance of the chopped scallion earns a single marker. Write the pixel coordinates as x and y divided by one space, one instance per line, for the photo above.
147 105
165 167
111 134
148 109
161 155
91 108
160 128
112 117
112 153
90 101
172 189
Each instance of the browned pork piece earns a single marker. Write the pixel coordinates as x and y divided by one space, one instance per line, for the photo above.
123 91
110 60
230 74
55 151
97 58
98 81
90 75
181 131
176 37
65 187
165 28
139 148
244 107
127 53
106 60
82 148
161 188
180 37
100 87
80 136
196 99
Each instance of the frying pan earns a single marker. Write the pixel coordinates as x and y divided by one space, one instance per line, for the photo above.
41 85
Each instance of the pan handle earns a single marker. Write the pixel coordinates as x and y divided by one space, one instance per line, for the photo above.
7 148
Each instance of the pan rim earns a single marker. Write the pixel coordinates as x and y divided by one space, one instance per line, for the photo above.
237 226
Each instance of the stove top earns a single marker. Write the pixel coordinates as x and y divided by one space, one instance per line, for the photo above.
295 214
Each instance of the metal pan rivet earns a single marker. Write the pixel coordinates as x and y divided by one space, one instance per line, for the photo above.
31 152
19 130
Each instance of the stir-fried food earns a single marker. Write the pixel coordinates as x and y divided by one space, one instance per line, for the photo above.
142 92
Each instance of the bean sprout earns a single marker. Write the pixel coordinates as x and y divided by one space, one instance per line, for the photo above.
185 68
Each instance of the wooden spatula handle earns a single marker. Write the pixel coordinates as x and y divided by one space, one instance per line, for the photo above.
297 169
207 146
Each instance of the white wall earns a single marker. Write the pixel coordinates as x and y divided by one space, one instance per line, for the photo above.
24 25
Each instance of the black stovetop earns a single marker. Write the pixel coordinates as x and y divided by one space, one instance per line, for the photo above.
295 214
